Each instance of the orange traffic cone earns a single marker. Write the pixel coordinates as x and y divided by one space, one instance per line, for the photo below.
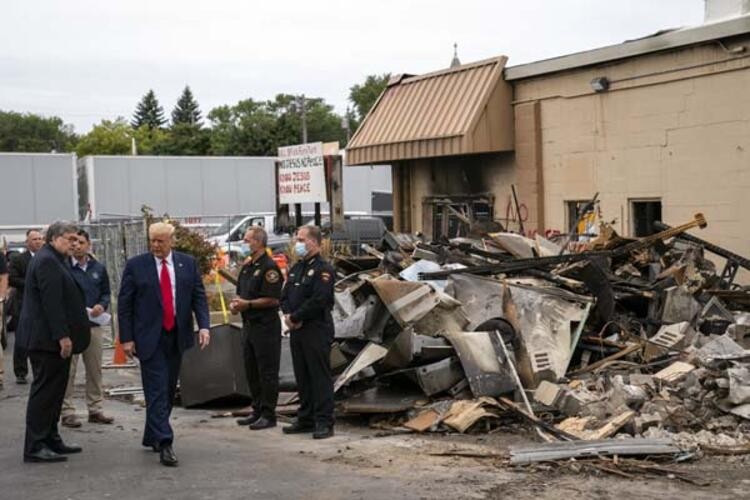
120 357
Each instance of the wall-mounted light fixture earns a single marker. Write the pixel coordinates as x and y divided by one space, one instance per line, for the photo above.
600 84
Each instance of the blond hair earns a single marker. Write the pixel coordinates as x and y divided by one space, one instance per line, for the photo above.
161 228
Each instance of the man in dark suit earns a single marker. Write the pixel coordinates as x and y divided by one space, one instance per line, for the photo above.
19 263
3 293
159 293
55 326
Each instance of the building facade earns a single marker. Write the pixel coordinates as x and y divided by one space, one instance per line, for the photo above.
659 127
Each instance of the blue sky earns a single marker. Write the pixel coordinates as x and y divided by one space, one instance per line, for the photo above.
86 60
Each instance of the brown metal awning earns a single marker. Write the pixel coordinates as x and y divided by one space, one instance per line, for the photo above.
458 111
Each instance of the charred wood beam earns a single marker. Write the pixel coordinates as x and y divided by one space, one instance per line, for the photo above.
516 265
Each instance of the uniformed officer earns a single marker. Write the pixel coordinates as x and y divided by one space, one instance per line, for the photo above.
307 301
258 292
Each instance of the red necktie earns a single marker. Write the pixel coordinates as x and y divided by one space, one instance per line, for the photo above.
166 297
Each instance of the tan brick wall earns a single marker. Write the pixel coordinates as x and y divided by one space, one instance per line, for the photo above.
673 126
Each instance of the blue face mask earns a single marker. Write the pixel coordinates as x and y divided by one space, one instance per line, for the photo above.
299 249
244 248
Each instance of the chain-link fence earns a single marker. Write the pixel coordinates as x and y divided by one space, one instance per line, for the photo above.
114 242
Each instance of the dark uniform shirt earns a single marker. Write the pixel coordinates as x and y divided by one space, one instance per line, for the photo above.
3 265
308 294
94 282
260 278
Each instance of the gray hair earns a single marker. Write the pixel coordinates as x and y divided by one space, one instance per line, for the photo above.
258 233
59 228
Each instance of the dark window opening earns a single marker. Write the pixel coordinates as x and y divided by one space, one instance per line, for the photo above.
645 213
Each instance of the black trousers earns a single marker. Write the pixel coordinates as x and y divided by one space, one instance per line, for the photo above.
20 359
311 358
262 350
45 399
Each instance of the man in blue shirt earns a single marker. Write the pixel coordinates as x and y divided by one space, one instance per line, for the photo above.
92 276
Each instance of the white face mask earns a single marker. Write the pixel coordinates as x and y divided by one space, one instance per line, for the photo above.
300 249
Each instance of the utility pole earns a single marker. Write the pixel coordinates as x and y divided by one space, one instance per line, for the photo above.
303 115
345 124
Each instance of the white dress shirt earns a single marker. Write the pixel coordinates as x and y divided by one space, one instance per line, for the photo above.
76 263
170 269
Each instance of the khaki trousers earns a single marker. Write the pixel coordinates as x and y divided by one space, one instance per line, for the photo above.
92 360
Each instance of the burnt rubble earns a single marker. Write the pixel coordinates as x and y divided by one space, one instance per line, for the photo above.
642 338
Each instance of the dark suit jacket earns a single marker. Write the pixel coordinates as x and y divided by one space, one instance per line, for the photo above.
139 307
19 263
53 305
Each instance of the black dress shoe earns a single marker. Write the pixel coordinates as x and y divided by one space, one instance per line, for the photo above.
323 431
251 419
262 423
297 428
44 454
167 456
21 380
154 447
64 449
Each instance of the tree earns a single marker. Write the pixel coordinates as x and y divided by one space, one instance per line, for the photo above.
184 140
148 112
187 112
107 138
246 129
116 138
258 128
364 96
29 133
150 141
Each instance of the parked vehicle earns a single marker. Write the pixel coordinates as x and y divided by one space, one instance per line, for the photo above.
360 227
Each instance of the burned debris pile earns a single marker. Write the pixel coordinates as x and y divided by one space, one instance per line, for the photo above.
643 338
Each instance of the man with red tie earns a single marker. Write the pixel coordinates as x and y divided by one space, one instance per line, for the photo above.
159 294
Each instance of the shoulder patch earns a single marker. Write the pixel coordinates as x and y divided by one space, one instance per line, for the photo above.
325 276
272 276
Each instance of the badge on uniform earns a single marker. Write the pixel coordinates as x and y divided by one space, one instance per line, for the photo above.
95 275
325 277
311 272
272 276
257 272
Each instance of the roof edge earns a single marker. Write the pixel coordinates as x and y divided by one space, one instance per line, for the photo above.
670 40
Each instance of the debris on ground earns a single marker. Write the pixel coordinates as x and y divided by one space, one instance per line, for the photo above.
610 342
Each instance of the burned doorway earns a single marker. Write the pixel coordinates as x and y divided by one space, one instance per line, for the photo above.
459 215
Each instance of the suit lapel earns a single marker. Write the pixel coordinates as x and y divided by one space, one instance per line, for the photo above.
179 277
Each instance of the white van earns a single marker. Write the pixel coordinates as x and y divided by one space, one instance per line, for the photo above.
229 235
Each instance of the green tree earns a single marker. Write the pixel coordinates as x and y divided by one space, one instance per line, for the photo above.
115 137
184 140
363 96
187 111
149 112
258 128
150 141
110 137
246 129
29 133
323 124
